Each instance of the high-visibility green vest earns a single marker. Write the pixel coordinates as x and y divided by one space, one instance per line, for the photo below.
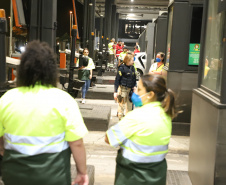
110 48
37 123
143 134
122 55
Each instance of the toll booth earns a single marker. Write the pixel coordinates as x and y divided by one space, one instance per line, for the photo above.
182 56
141 41
160 34
146 42
207 164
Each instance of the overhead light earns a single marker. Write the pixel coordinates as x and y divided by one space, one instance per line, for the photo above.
131 9
131 15
132 0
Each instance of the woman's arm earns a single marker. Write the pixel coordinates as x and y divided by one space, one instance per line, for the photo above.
91 74
79 155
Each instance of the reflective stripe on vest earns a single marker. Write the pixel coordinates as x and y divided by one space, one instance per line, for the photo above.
136 152
116 137
144 149
30 145
142 159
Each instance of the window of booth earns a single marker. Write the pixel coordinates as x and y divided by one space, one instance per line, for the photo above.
213 49
170 24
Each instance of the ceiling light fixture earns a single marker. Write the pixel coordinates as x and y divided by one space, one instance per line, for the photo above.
131 9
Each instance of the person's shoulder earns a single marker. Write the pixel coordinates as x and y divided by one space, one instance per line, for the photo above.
135 114
12 93
121 67
58 93
90 58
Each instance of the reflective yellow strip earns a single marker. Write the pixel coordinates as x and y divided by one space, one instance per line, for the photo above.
115 136
37 149
145 150
142 159
41 140
30 145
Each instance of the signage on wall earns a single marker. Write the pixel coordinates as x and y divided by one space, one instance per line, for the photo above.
194 51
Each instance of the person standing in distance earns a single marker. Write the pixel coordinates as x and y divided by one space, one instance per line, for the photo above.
85 74
122 56
156 68
112 54
138 47
125 81
41 125
144 134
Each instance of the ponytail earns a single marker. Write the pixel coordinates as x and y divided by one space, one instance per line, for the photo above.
169 103
157 84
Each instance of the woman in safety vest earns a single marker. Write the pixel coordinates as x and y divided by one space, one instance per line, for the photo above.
144 134
156 68
41 125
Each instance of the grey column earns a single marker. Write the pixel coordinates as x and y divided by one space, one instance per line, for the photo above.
3 30
34 32
117 27
85 18
113 23
49 22
44 21
150 44
101 34
107 30
91 27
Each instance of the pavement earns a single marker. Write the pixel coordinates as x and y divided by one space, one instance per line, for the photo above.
102 156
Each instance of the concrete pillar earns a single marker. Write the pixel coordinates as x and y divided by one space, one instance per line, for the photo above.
85 19
101 34
91 27
107 30
43 21
117 26
113 23
150 44
3 30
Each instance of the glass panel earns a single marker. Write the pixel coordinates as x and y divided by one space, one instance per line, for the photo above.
213 48
170 23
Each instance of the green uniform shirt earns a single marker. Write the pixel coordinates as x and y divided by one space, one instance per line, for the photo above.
83 74
122 56
37 124
143 136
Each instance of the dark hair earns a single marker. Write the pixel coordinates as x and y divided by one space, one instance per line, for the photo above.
85 49
38 64
162 55
157 84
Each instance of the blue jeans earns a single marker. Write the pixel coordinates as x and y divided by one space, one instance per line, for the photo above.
85 88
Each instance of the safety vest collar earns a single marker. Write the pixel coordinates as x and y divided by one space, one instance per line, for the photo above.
153 104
